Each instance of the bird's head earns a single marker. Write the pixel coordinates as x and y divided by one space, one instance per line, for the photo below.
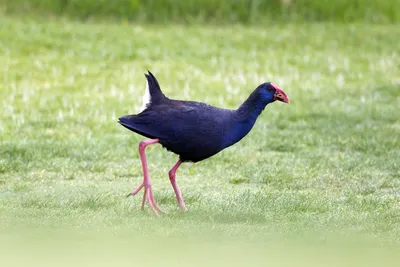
270 92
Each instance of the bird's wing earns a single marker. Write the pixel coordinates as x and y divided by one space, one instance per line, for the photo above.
171 120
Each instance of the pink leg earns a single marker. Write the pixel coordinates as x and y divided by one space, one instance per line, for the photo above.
175 185
148 193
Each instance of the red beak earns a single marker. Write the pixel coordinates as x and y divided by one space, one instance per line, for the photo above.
280 95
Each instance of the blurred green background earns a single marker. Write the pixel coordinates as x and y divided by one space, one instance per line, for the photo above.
214 11
316 182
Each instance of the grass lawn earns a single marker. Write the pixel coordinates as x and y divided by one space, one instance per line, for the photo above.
324 169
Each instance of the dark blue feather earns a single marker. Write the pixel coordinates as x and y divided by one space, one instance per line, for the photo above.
194 130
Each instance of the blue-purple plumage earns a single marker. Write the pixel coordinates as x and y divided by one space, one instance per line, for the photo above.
194 130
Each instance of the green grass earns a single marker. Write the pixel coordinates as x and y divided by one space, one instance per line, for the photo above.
326 167
212 11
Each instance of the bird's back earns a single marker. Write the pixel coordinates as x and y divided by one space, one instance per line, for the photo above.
193 130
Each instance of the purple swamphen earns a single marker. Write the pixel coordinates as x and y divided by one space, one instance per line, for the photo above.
193 130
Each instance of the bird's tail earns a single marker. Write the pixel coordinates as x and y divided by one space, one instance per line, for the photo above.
154 90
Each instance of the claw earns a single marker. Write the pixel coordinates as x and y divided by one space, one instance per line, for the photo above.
148 192
147 195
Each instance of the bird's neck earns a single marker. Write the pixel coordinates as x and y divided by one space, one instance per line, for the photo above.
244 118
250 109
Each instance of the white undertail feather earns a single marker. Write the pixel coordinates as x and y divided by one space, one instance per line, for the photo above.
146 97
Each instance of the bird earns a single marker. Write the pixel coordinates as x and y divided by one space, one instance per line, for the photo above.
193 130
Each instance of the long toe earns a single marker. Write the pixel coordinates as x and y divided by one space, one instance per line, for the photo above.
151 196
153 203
150 199
135 191
182 206
147 196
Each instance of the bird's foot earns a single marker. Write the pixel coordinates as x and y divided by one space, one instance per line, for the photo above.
182 205
148 195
